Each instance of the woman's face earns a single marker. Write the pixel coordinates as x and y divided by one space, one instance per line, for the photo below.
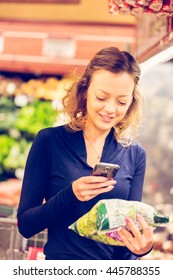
108 99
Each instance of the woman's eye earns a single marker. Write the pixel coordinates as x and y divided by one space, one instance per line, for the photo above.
100 98
122 103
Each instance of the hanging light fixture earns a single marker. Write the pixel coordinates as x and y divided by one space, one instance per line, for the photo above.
137 7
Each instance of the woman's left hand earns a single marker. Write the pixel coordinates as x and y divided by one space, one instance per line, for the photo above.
137 242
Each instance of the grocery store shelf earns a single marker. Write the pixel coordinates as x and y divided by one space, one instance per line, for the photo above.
40 65
57 48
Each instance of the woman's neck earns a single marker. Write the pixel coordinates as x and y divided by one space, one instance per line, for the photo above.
94 141
95 135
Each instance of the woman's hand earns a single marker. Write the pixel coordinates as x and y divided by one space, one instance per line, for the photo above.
86 188
137 242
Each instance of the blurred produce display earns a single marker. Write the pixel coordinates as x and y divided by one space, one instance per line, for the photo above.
47 88
34 116
26 106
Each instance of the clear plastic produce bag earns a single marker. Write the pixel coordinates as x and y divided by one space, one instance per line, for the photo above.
102 222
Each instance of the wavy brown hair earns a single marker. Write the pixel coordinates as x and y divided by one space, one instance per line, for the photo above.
116 61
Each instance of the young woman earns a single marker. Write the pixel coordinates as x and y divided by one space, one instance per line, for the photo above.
104 107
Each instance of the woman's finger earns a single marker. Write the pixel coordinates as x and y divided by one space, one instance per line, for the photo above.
128 239
146 229
86 188
133 228
94 192
99 181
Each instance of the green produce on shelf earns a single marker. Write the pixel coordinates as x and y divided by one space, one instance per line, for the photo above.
35 116
6 143
8 114
17 155
7 120
13 154
7 103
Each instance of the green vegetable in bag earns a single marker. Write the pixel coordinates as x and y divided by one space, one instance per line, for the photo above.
102 222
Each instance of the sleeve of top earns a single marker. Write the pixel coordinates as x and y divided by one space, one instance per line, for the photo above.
139 173
34 215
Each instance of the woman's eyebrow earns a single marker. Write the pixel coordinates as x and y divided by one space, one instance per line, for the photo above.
105 92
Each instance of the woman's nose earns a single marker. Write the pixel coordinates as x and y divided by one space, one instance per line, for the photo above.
110 107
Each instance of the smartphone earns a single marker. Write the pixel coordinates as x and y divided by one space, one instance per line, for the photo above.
108 170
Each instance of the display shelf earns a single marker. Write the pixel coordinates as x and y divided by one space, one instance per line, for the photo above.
56 47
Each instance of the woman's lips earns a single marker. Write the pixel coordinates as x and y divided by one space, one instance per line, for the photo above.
106 118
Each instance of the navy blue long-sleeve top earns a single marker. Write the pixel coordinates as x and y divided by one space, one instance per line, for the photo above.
57 158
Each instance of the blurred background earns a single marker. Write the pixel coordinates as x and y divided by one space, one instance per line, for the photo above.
42 44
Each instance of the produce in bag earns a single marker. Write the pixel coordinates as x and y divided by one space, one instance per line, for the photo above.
102 222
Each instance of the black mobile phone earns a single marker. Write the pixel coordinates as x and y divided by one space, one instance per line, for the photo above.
108 170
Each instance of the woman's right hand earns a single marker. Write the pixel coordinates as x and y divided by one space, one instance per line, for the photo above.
86 188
